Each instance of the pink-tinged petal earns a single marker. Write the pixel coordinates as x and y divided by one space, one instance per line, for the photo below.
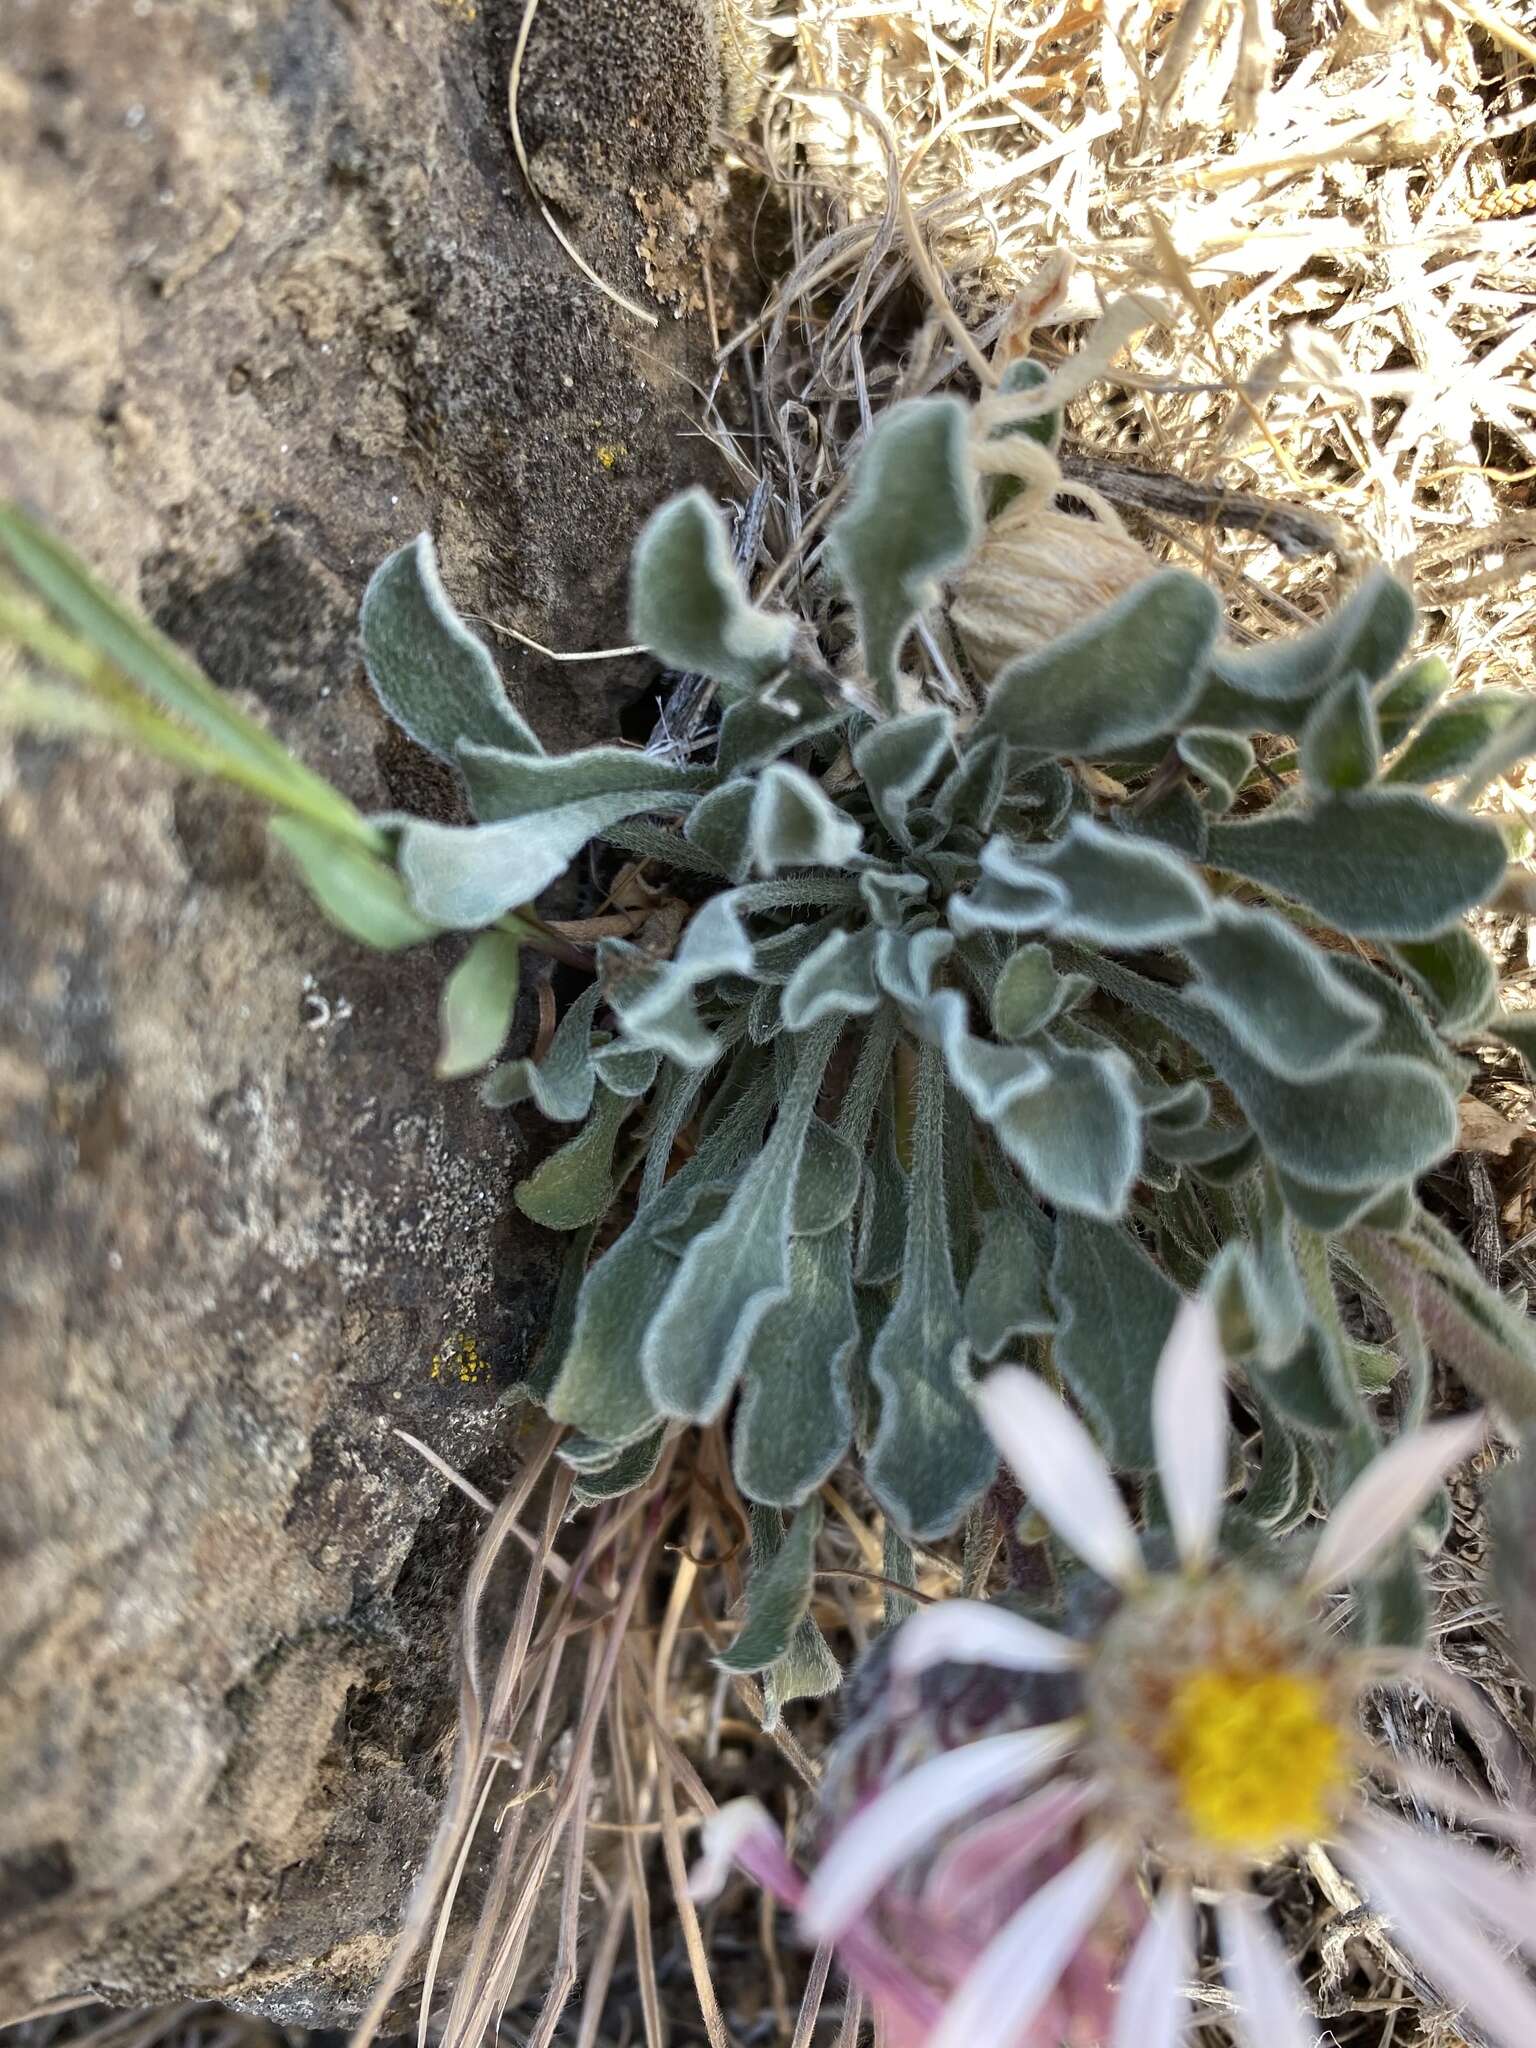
905 2007
1495 1893
875 1844
979 1632
1262 1981
1153 2005
744 1835
1189 1428
1447 1945
987 1856
1389 1493
1061 1470
1002 1997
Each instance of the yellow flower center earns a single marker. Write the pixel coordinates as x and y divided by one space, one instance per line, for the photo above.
1258 1759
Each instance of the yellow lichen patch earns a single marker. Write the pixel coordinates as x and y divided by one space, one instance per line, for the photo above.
460 1360
1258 1758
610 453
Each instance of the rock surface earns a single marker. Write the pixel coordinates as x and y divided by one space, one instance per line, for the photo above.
273 297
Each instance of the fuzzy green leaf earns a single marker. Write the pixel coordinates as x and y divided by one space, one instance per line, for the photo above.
505 786
1340 742
889 898
1308 1389
795 1417
1029 993
898 759
837 980
719 825
911 518
1278 993
906 962
795 824
478 999
632 1467
1116 1310
654 999
827 1184
1379 863
1368 633
1453 739
734 1272
1222 760
930 1456
1402 702
687 605
574 1185
364 896
968 797
1118 891
1456 978
629 1071
1127 675
1005 1295
757 729
561 1083
883 1211
432 675
778 1594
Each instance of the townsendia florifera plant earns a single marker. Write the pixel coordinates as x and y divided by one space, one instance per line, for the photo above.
1136 967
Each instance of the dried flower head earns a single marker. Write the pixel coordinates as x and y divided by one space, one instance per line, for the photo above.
1204 1725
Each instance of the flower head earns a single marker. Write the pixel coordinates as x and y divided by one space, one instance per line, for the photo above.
1206 1723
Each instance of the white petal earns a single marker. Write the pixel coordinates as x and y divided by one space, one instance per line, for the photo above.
1452 1952
1001 1997
1262 1980
1061 1470
894 1826
1388 1494
1152 2006
979 1632
1453 1796
1493 1892
1189 1428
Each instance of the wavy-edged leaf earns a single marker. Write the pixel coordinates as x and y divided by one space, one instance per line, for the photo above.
738 1269
1278 993
1222 760
633 1466
654 999
883 1209
600 1387
1404 1026
1455 976
1453 739
1368 633
898 758
930 1456
1126 675
794 1420
561 1083
968 797
1341 742
1116 1310
720 826
1005 1296
686 603
504 786
1308 1389
1029 994
906 962
795 824
574 1185
1069 1119
1379 863
361 895
629 1071
827 1184
757 729
477 1004
912 516
1118 891
779 1590
837 980
1257 1294
436 680
1403 701
890 897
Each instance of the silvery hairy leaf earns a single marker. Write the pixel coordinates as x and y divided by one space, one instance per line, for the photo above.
574 1185
898 758
1126 675
911 518
1115 1311
1005 1296
795 824
778 1592
433 677
794 1420
1403 701
477 1003
1222 760
1456 977
837 980
654 1000
1278 993
930 1456
1341 742
561 1083
1378 863
687 605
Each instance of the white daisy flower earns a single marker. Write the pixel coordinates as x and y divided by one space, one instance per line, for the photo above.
1208 1725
